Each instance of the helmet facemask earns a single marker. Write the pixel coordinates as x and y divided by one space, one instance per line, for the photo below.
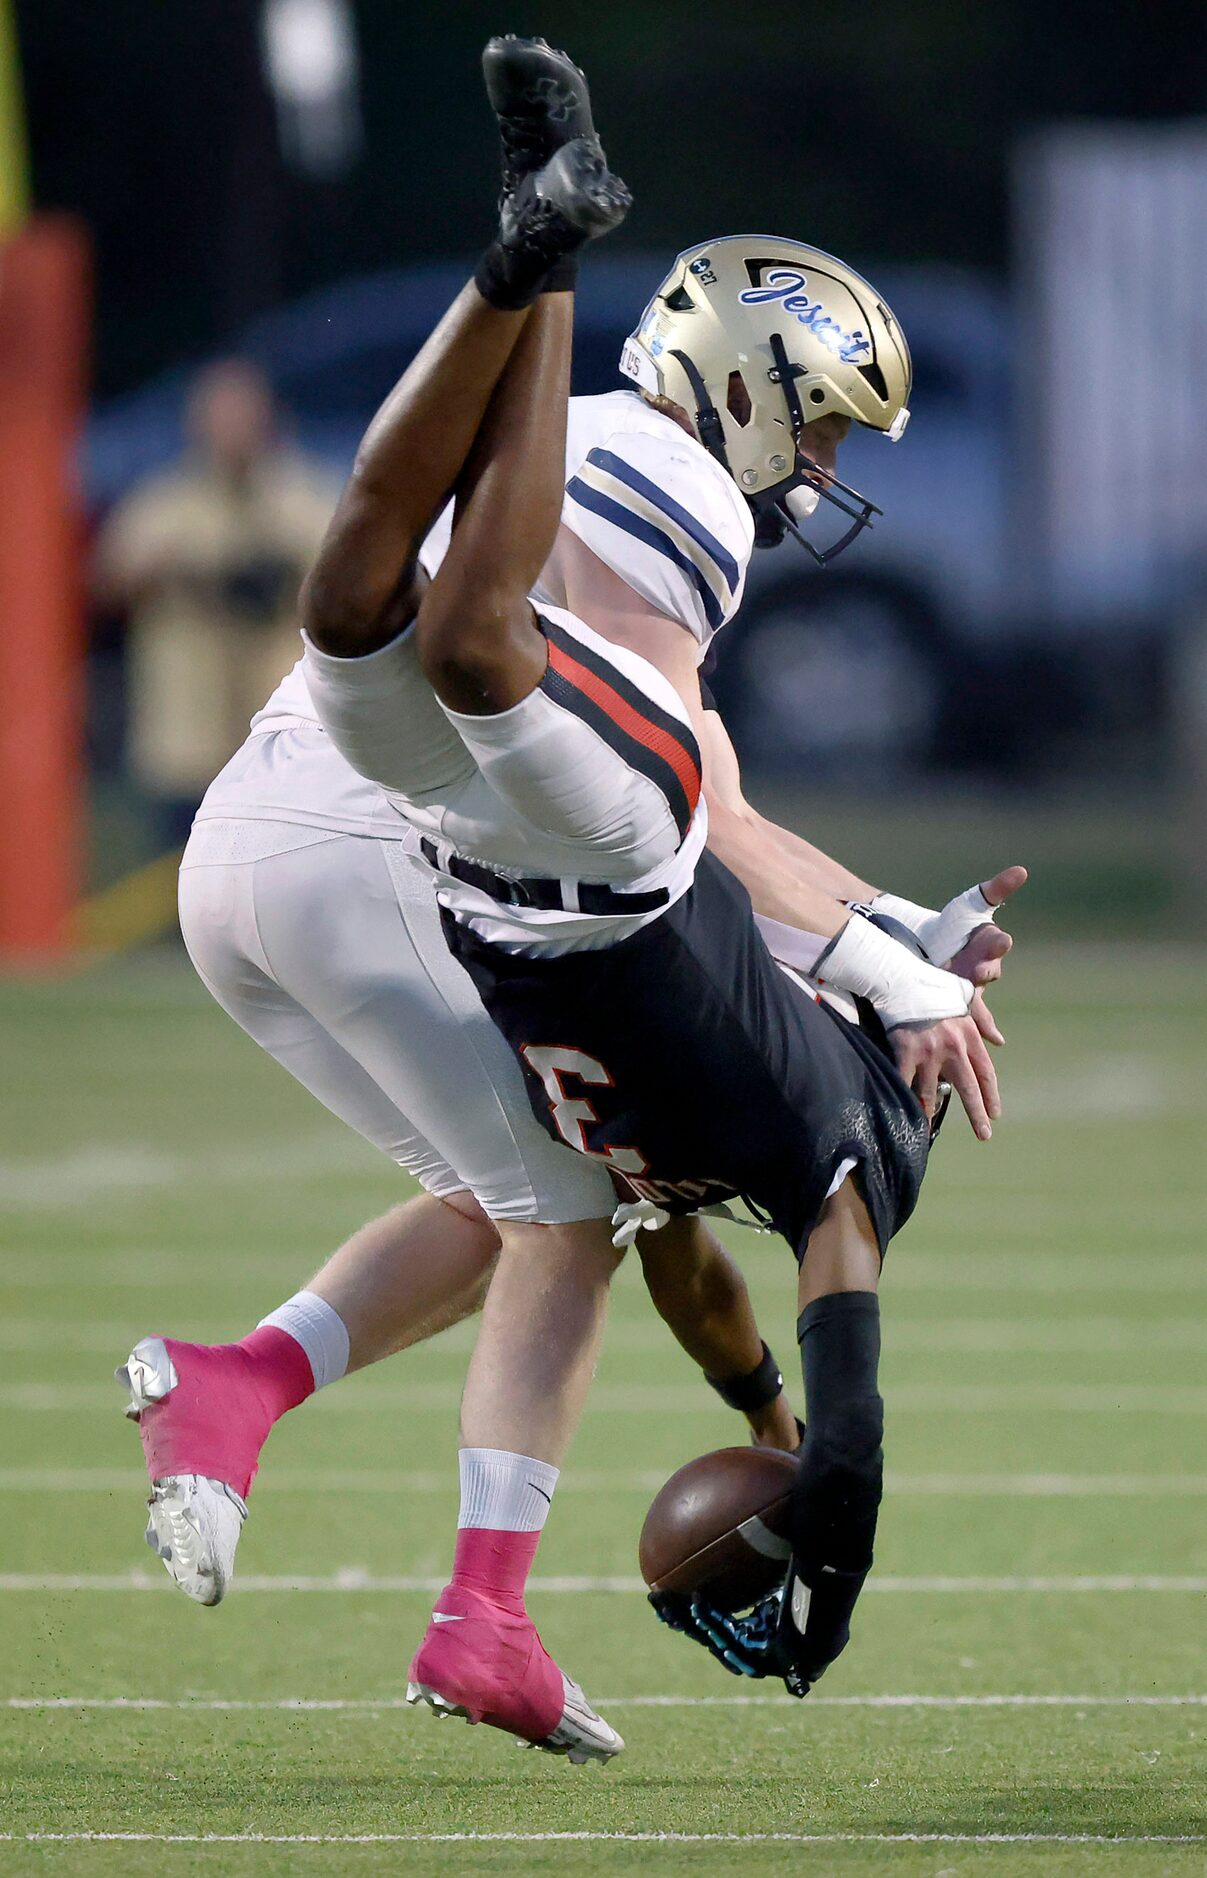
773 510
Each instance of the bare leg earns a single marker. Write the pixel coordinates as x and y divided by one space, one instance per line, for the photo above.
537 1346
366 585
478 641
426 1265
420 1268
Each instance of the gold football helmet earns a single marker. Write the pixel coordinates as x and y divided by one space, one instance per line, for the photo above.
755 337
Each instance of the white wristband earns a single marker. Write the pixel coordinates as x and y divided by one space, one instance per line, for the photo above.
902 988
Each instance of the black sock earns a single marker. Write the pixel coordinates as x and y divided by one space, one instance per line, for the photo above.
562 276
510 280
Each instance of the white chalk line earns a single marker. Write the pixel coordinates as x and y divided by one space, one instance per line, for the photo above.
62 1183
622 1398
53 1480
602 1838
318 1705
355 1578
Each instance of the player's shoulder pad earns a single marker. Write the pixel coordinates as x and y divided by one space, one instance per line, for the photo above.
654 506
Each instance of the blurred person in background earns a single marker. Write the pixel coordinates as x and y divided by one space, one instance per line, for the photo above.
206 558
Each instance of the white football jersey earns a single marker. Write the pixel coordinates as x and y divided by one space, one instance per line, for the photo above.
657 509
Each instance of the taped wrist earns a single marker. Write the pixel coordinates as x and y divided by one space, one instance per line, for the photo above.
838 1488
753 1391
916 917
901 987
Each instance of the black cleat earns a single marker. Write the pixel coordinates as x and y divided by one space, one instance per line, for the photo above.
554 212
575 198
540 99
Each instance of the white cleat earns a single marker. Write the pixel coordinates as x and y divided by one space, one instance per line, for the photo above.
193 1522
581 1735
193 1525
419 1693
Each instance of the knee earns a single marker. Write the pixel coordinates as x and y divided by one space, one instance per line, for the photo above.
347 620
465 644
455 626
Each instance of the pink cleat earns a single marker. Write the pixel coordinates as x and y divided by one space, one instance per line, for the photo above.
204 1412
486 1663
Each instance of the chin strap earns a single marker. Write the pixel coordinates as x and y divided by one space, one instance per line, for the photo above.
708 418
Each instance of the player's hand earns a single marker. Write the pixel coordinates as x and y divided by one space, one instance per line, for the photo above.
980 957
745 1646
963 938
984 1019
953 1051
796 1633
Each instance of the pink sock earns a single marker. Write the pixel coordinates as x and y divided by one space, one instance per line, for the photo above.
495 1563
228 1396
279 1365
504 1500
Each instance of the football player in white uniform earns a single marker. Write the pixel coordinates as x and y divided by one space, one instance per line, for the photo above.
352 988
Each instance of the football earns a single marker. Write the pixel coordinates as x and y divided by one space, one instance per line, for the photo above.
718 1527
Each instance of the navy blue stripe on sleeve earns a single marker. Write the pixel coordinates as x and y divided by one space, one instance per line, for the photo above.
624 472
612 511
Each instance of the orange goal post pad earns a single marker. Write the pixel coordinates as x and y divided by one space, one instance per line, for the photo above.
45 320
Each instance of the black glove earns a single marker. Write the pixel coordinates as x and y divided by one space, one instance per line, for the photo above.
796 1633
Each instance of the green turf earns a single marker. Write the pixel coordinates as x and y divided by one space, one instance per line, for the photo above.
1045 1337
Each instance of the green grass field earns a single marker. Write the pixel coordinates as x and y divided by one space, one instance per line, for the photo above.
1028 1678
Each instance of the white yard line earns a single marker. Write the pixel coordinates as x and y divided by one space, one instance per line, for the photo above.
57 1480
622 1398
354 1578
67 1182
388 1704
602 1838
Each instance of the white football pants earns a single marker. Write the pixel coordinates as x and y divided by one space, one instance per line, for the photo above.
326 948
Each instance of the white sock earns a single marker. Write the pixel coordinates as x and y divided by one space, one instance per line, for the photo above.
320 1330
507 1492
